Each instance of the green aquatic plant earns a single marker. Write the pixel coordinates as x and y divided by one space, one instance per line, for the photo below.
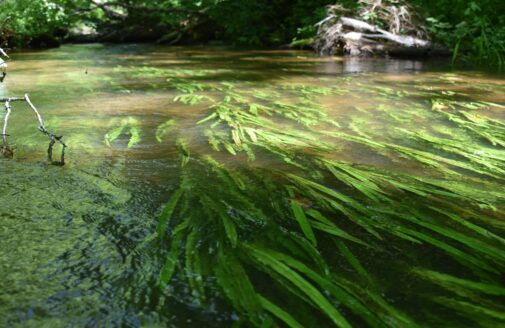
489 129
301 211
240 237
260 238
237 218
129 125
308 91
164 129
473 297
489 159
155 72
191 99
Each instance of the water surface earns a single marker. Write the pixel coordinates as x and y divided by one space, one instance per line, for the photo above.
79 244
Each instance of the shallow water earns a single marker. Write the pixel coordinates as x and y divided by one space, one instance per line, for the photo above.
78 244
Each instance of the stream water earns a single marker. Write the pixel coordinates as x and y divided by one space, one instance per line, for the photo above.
81 245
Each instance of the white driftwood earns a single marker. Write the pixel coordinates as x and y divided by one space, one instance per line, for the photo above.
325 20
357 38
357 24
405 40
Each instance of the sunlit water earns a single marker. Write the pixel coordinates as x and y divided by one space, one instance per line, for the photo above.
76 241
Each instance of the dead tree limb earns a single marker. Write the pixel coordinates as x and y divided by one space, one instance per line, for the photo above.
3 53
7 151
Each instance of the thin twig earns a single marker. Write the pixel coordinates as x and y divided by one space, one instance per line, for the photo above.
4 149
39 118
12 99
6 122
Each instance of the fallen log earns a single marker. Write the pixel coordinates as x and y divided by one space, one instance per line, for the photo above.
404 40
354 37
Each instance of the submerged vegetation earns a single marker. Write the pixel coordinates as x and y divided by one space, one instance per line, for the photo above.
285 195
276 218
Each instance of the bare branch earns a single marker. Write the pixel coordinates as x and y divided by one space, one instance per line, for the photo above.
39 118
53 138
3 53
3 65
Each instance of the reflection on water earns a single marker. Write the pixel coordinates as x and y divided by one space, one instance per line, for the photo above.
78 243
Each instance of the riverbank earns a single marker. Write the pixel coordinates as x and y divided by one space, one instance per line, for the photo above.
471 32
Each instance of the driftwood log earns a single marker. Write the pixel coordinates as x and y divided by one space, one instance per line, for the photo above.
349 36
5 150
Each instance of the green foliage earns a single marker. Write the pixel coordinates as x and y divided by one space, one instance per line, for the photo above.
28 21
474 30
244 22
255 23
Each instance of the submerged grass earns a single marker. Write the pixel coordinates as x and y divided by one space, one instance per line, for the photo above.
316 233
129 125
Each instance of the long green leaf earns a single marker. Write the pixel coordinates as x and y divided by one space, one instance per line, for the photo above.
279 313
167 212
299 215
303 285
